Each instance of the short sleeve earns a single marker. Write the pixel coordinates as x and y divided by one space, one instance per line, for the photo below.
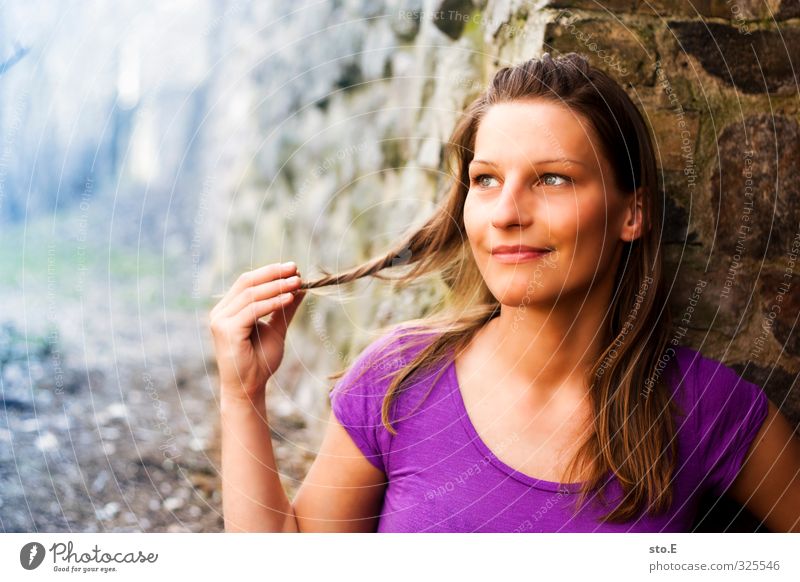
730 412
357 398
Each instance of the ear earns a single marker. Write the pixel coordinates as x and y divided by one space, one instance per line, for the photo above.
633 224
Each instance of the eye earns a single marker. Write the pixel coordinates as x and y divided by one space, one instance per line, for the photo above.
479 180
546 177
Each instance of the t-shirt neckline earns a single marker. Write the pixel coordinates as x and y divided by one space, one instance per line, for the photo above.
487 453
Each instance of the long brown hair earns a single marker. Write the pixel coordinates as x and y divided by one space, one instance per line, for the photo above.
633 434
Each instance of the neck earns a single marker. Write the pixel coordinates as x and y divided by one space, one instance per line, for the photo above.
550 347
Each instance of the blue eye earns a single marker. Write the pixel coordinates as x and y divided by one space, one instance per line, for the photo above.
479 180
559 176
547 180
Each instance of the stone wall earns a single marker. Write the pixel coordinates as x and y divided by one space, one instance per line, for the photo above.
354 99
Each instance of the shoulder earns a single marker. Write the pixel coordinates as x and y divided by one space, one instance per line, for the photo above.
700 373
357 398
714 392
726 412
394 349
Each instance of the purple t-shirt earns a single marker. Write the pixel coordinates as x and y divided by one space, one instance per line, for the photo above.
443 478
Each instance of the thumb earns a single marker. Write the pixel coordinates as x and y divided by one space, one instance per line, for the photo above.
283 317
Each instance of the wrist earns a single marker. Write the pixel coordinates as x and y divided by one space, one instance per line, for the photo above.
244 401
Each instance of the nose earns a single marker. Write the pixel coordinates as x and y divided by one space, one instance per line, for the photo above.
511 207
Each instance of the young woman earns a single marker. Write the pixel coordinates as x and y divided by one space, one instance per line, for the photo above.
549 392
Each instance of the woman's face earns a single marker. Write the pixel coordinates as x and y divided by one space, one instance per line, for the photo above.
538 179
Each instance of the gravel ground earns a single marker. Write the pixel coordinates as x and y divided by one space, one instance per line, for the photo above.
109 420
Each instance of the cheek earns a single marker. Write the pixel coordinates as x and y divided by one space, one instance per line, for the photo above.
586 233
473 225
578 222
561 218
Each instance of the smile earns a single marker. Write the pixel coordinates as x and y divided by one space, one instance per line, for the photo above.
518 257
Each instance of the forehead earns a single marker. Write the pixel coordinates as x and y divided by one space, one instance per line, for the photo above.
527 131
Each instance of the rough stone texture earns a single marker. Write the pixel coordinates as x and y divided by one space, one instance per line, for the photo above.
620 49
677 228
734 10
671 141
781 304
758 170
451 16
612 6
753 63
788 9
721 308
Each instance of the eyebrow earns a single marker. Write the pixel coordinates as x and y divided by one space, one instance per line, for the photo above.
490 163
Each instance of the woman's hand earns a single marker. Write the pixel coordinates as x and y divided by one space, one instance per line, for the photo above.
249 351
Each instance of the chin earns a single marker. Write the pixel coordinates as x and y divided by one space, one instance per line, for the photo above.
525 295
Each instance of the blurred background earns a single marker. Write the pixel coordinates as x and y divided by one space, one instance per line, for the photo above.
152 151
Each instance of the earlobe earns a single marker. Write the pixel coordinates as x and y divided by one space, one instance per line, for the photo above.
634 221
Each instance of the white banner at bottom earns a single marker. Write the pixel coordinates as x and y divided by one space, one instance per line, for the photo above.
396 557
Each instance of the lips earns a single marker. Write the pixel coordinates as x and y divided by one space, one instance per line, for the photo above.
517 253
516 249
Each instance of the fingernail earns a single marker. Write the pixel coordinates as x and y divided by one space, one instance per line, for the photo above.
289 264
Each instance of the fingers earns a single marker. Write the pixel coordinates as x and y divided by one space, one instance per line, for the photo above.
280 322
261 292
250 314
252 278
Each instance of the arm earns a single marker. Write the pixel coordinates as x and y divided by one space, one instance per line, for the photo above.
253 498
343 489
342 492
768 483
